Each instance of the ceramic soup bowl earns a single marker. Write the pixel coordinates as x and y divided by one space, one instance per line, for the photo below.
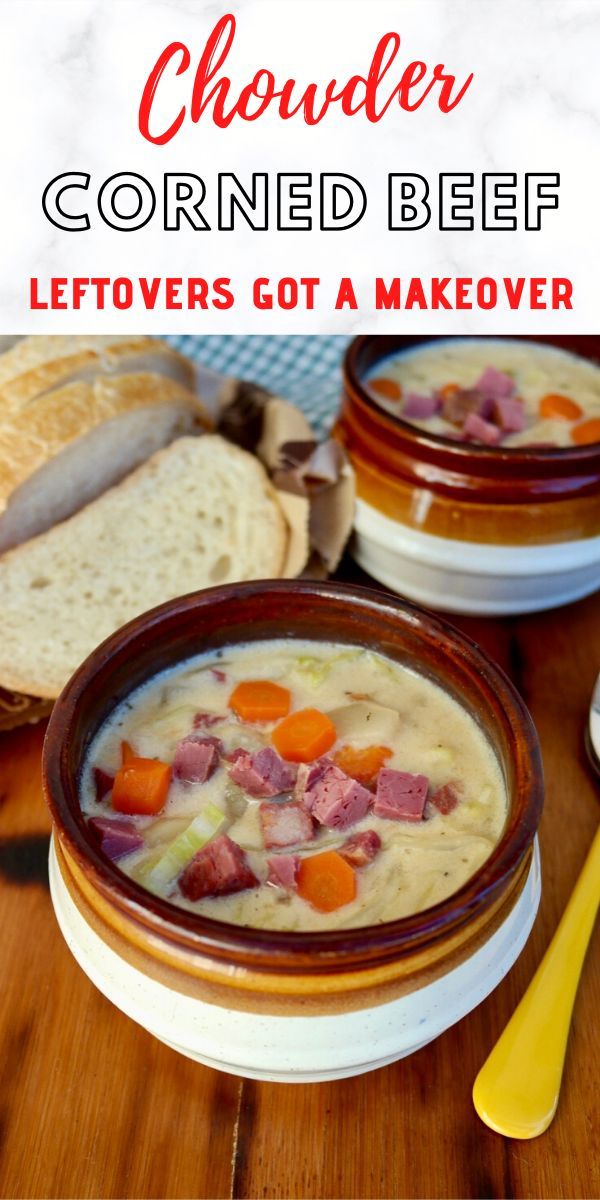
464 527
292 1006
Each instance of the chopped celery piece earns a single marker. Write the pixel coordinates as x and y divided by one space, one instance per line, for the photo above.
315 670
178 854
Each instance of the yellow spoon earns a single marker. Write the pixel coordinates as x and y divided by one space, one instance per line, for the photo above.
516 1091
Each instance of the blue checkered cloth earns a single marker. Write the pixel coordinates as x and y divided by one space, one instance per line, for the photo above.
305 370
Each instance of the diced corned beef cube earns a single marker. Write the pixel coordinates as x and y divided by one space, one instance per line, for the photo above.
400 796
283 869
456 406
486 408
361 848
308 775
196 758
447 797
204 720
285 824
495 383
218 869
103 782
336 800
263 773
117 838
420 407
233 755
509 414
219 675
482 431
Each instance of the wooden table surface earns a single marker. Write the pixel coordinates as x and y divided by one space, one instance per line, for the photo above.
93 1106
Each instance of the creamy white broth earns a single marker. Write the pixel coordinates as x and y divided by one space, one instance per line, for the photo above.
537 370
419 864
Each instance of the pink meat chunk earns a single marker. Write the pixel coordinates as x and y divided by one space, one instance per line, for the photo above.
196 758
117 838
509 414
285 824
419 407
400 796
336 800
457 405
103 782
204 720
476 428
308 775
361 848
446 798
218 869
283 869
262 773
495 384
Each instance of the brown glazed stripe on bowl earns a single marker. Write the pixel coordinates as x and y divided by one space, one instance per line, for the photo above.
335 960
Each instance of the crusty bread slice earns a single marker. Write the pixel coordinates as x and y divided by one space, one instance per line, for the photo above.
68 445
37 364
198 513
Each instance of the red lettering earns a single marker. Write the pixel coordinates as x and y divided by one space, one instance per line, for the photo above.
514 290
358 93
415 296
213 57
57 291
385 297
224 295
562 292
34 298
446 102
173 288
438 288
149 290
149 93
536 293
346 295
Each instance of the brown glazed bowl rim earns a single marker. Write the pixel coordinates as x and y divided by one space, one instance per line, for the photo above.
269 950
413 438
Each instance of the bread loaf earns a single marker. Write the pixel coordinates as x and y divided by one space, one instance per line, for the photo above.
61 446
197 513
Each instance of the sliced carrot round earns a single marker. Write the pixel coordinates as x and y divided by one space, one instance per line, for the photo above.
557 407
587 432
141 787
326 881
260 700
386 387
448 390
304 735
362 764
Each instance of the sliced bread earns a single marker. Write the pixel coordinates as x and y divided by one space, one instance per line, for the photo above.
68 445
37 364
198 513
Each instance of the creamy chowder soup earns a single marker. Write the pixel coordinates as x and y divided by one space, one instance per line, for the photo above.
294 785
497 392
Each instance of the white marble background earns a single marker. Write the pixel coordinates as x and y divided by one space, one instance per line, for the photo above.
72 76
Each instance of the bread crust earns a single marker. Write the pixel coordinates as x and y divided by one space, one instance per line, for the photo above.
59 417
55 593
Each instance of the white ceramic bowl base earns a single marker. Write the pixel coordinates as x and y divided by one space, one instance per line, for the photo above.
297 1049
472 577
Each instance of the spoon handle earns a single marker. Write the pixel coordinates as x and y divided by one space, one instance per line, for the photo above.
516 1091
